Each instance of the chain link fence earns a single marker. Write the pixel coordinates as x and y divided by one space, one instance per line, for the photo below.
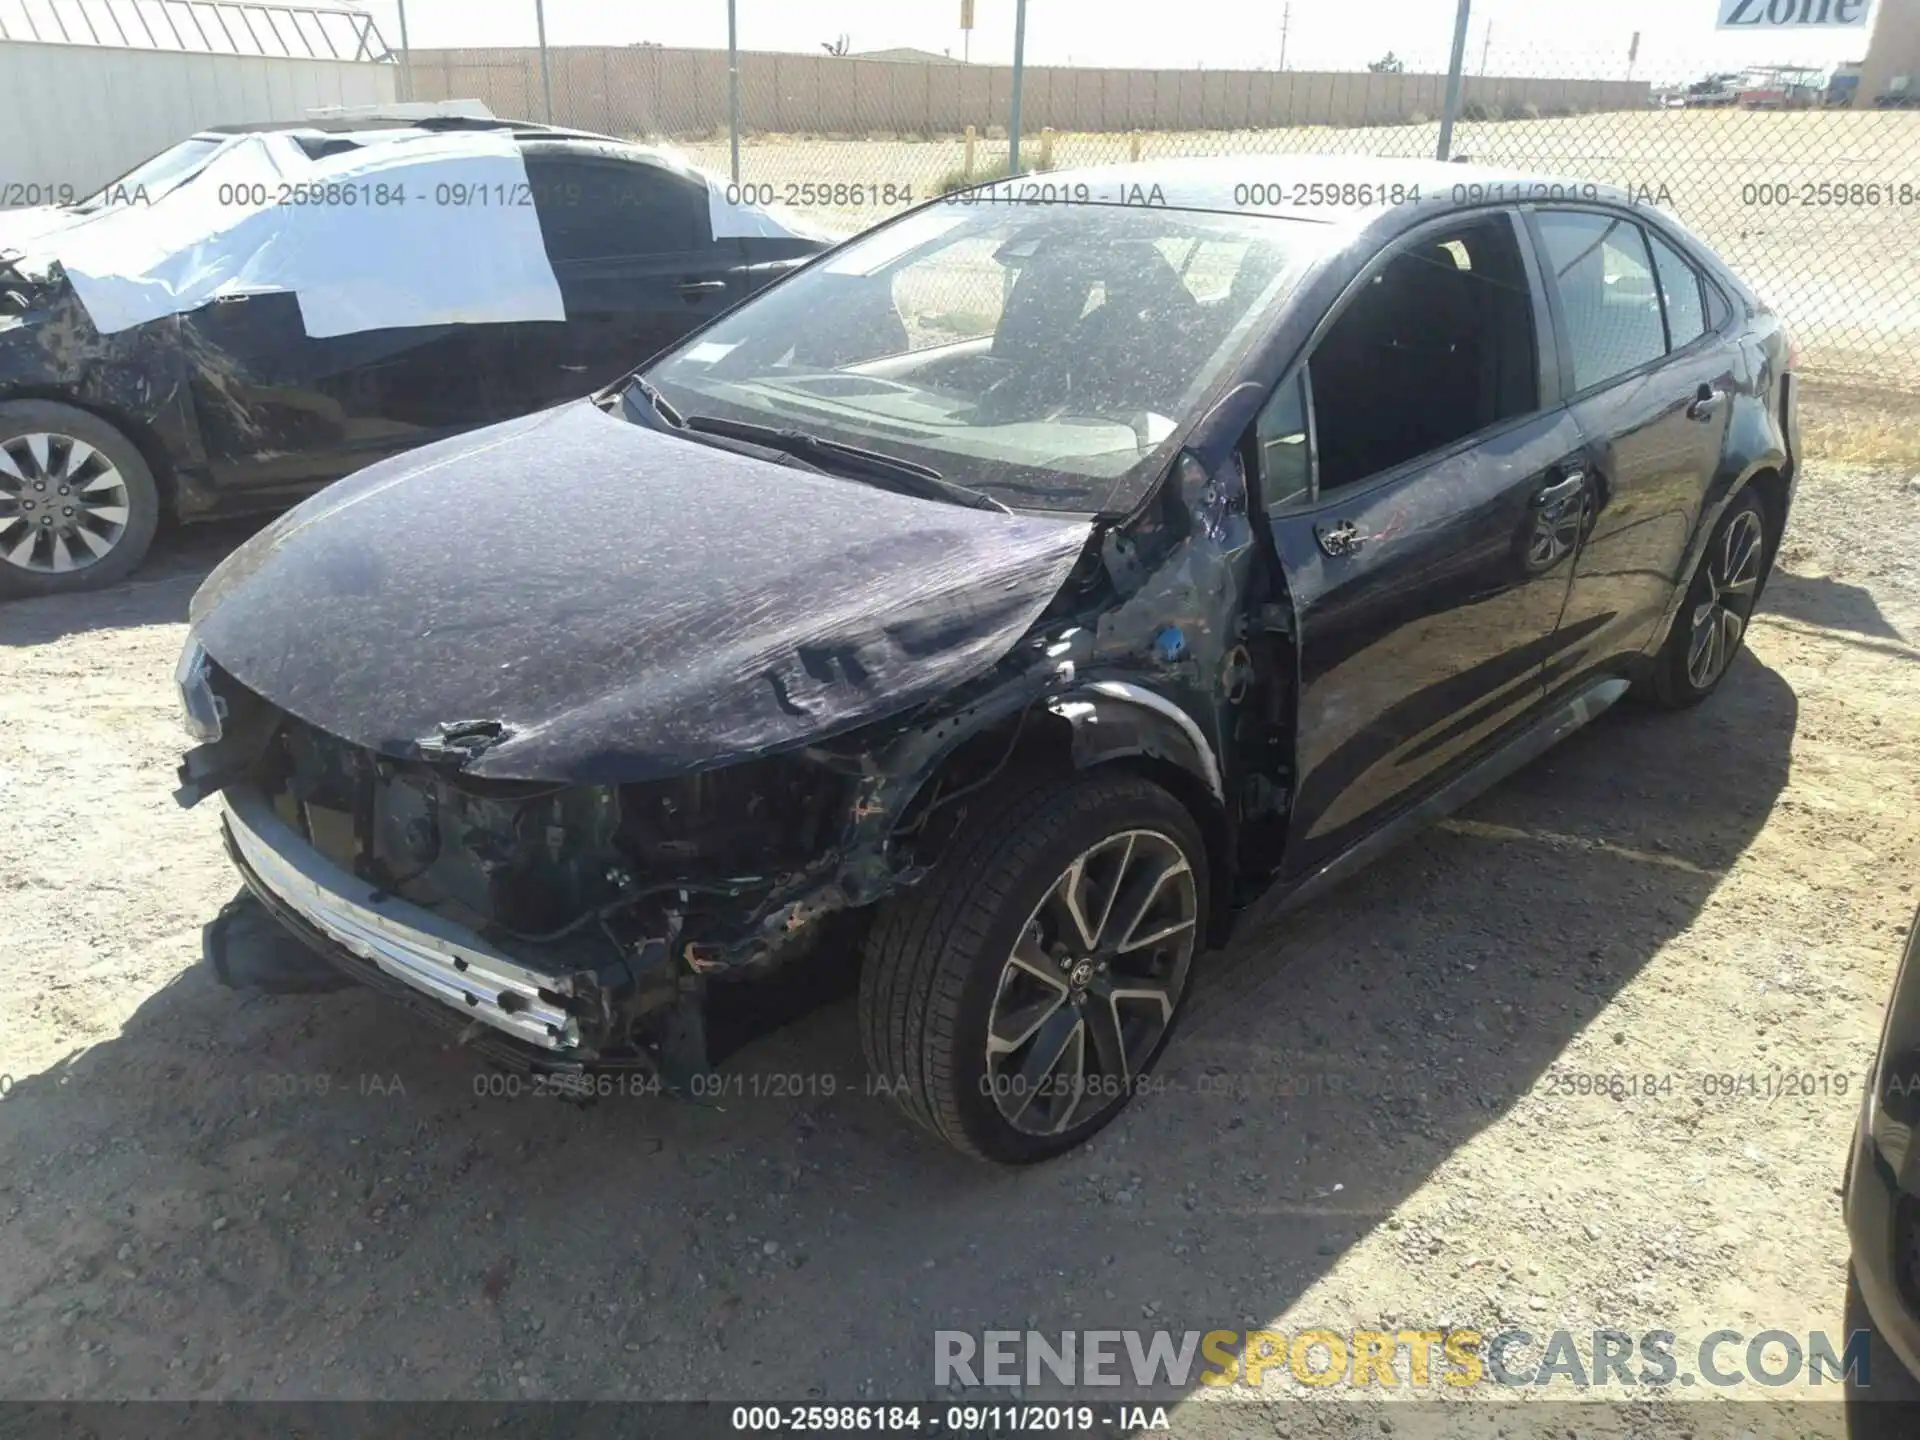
1810 188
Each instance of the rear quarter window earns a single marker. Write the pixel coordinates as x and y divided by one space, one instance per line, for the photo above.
1681 290
1719 308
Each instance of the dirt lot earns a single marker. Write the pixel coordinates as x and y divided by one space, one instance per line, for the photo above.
208 1195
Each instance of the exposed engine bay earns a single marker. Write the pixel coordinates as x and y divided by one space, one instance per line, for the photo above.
538 862
617 906
615 902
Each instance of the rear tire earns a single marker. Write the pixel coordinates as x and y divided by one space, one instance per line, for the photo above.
78 504
1711 624
976 976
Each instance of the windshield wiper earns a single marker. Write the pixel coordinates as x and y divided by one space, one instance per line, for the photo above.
851 462
661 405
623 392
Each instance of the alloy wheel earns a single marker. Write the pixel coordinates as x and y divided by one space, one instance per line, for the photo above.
63 504
1732 573
1555 533
1091 985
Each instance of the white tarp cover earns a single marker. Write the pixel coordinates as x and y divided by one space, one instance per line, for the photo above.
27 230
464 248
734 221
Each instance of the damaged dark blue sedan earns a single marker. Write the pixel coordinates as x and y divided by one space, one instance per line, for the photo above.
1008 597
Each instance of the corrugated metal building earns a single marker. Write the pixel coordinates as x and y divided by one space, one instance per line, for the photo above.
94 87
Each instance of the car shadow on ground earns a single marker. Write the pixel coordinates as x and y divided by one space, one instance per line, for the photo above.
158 593
297 1197
1832 605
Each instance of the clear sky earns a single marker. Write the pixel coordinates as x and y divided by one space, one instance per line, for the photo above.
1559 37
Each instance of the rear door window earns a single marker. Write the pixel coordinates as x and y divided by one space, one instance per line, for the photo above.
592 208
1600 267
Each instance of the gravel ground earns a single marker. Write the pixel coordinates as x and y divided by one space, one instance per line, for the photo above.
213 1196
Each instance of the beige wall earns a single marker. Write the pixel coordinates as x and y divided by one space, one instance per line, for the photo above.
1894 50
135 103
637 90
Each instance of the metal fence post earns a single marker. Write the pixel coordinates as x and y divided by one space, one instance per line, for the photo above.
1019 79
733 86
546 79
406 56
1452 110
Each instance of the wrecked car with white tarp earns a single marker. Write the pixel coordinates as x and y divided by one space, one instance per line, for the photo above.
319 298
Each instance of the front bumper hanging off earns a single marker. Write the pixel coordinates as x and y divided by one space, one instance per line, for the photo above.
395 946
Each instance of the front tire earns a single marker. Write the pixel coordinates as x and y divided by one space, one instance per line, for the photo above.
1015 999
78 505
1712 621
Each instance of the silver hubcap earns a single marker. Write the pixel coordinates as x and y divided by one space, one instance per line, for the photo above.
1091 986
63 505
1720 619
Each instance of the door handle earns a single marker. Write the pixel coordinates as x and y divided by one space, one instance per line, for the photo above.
1706 400
1343 538
694 289
1559 494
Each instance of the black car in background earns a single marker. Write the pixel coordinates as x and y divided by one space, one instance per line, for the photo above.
234 407
1883 1170
1009 596
22 228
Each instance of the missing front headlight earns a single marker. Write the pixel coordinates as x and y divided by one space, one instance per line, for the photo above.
202 712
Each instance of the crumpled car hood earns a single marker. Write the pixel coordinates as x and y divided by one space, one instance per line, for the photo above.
628 605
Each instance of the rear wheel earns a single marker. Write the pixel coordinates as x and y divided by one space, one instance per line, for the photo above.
1713 619
1016 999
78 506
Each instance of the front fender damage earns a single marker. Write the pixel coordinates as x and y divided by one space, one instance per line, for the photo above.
896 787
642 901
139 379
1145 657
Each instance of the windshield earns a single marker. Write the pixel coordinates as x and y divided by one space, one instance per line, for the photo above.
1044 355
155 175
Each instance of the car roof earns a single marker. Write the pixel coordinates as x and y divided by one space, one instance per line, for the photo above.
1246 184
373 126
369 131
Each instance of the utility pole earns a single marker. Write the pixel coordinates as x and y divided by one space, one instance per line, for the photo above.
1019 79
1486 44
733 87
1452 111
406 56
546 79
1286 23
